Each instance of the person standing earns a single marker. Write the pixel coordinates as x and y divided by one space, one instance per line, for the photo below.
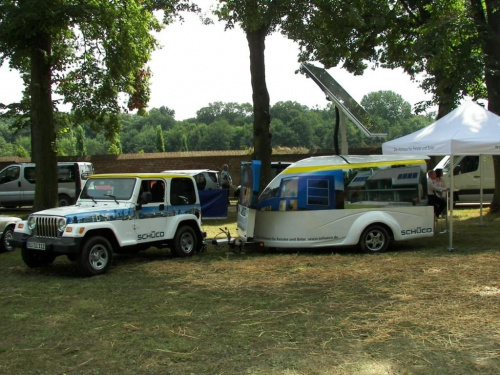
441 185
226 180
434 194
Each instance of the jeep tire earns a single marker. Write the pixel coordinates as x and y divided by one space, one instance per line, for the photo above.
185 241
95 257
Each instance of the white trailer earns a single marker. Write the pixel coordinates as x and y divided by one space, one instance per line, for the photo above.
337 201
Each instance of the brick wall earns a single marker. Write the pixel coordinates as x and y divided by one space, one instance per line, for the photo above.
157 162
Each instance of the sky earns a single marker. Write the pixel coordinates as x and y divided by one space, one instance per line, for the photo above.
202 64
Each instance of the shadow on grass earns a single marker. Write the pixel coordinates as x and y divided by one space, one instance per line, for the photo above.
469 237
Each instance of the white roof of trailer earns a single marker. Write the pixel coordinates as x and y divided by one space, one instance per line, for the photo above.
354 159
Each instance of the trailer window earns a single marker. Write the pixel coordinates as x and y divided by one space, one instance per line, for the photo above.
317 192
289 188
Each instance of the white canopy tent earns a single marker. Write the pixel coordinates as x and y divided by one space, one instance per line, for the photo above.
468 130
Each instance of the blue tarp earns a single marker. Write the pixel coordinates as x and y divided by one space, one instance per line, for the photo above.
213 204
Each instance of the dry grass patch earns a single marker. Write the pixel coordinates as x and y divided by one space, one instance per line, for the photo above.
417 309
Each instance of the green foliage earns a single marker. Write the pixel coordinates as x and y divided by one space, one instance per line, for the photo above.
25 143
88 52
441 39
113 150
80 146
66 145
293 125
234 113
97 146
218 136
387 105
337 32
160 143
5 148
21 152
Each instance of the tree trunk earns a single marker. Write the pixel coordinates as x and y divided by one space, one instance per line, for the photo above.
446 93
42 125
260 95
489 29
492 76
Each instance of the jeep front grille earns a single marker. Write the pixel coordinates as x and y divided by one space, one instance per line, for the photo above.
46 226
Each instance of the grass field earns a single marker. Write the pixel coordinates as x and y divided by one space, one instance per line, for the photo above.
416 309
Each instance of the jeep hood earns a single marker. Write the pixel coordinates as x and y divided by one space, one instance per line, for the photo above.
89 212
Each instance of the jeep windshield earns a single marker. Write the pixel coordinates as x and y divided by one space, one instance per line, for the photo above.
108 189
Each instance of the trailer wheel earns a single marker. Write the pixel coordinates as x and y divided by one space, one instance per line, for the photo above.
37 258
374 239
185 241
96 256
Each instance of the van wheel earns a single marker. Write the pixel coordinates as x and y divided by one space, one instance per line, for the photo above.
96 256
374 239
37 258
8 234
64 200
185 242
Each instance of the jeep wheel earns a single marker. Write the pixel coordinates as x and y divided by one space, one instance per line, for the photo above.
96 256
8 234
37 258
185 241
374 239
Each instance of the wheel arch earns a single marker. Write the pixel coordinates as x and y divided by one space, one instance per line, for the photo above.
107 233
368 219
194 225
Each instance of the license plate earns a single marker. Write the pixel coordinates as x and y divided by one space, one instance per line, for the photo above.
36 245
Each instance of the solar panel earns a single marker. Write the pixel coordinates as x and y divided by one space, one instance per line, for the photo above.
336 93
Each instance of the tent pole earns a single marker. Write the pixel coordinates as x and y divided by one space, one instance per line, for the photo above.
450 222
481 189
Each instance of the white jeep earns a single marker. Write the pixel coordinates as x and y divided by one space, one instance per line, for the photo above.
115 213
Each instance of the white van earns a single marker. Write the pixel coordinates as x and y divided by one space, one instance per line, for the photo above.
337 201
17 183
467 177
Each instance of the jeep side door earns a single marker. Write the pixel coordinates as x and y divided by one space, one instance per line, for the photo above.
151 218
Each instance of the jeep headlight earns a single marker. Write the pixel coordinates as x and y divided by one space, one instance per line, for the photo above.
31 223
61 224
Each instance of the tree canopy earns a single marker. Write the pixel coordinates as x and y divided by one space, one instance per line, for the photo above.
88 53
293 125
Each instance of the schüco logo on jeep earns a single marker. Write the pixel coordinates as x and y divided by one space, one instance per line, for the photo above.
147 236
